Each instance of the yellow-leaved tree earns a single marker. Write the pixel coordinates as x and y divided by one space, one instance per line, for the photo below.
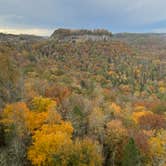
158 148
51 136
49 141
24 120
14 117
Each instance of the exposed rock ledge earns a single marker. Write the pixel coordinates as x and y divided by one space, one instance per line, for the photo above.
83 34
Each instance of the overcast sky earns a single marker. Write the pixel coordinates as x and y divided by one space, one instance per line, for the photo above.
41 17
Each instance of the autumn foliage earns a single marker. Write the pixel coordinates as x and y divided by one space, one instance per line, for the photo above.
83 103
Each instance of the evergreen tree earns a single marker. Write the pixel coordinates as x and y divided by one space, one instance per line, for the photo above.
131 155
2 136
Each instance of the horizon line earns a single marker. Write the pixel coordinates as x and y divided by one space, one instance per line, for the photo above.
46 32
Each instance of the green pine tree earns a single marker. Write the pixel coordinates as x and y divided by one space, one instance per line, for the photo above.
131 155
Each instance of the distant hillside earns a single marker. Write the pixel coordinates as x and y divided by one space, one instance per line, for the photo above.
142 38
152 44
11 38
82 34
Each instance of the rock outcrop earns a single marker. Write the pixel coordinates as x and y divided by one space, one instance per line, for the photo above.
79 35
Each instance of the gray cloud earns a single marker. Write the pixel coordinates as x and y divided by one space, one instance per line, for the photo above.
113 14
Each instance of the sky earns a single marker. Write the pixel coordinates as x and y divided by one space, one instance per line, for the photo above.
42 17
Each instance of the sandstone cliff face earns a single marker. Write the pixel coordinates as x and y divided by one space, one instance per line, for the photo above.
79 35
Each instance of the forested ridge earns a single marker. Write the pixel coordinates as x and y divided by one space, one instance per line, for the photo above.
80 102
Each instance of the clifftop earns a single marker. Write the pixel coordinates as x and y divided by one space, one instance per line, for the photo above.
82 34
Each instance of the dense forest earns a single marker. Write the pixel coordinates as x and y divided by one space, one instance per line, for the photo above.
83 102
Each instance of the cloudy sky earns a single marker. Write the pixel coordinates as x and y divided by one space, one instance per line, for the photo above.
41 17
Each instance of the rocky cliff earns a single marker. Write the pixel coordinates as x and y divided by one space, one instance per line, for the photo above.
83 34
